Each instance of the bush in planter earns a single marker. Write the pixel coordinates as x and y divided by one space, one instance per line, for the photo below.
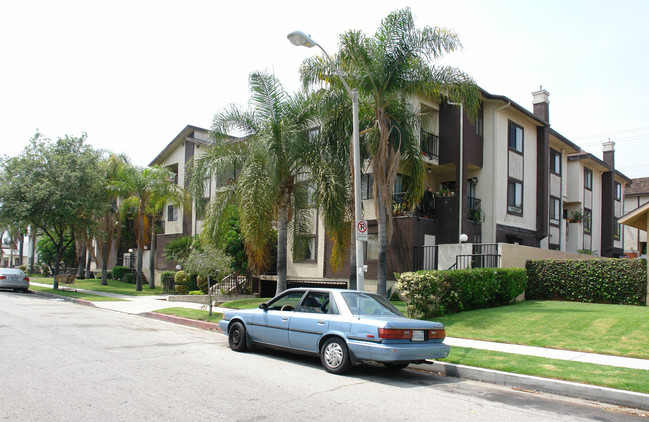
181 280
119 272
129 278
201 280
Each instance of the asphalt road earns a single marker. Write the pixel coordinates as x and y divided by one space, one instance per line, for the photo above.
61 361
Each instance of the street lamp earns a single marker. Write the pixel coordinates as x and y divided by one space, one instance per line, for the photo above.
300 38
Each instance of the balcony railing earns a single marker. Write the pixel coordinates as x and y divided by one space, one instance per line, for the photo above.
400 206
424 258
429 144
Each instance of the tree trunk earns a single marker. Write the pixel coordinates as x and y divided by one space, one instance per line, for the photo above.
20 249
104 265
381 288
32 258
88 261
81 260
140 244
152 258
282 245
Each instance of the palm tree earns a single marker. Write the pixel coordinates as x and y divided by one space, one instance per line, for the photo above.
388 69
272 164
147 190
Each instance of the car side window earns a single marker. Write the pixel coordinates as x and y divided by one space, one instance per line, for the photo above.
314 303
287 302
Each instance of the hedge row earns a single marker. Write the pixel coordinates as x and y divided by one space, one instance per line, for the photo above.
433 293
616 281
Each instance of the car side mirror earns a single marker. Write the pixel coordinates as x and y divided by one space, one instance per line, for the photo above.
263 306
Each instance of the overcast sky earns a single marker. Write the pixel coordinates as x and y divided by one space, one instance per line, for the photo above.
132 74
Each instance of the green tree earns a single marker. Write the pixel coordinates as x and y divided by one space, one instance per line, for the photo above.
55 186
388 69
272 166
47 252
148 190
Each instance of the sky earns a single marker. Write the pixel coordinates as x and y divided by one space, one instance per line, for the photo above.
132 74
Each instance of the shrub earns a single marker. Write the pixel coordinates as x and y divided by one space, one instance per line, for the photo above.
201 280
109 275
23 268
196 293
182 289
181 278
46 271
129 278
119 272
615 281
432 293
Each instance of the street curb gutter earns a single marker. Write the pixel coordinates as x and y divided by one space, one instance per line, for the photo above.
545 385
180 320
64 298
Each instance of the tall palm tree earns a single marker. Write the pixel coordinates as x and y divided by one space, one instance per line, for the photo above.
388 69
147 190
272 161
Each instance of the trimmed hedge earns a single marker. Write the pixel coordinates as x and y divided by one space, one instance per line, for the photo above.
614 281
433 293
129 278
119 272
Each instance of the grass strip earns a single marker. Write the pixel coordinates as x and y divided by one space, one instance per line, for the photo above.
76 295
114 286
621 330
197 314
586 373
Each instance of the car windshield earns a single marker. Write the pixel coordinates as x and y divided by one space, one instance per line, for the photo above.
369 304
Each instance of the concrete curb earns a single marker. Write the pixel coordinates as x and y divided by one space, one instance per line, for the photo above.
64 298
183 321
545 385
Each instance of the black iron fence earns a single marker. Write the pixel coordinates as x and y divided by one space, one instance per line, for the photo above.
424 258
476 261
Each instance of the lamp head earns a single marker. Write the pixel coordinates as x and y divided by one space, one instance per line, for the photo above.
300 38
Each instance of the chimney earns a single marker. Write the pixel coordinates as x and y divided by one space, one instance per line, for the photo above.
541 104
608 148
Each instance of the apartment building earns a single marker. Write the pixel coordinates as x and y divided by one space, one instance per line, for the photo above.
636 194
506 177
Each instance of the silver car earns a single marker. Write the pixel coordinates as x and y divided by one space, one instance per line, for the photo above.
342 327
14 278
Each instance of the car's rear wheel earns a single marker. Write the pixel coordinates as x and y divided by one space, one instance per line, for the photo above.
396 366
334 356
237 337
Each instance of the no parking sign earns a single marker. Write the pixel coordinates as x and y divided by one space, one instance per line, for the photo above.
361 230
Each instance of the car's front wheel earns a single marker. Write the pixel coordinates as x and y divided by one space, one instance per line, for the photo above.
334 356
237 337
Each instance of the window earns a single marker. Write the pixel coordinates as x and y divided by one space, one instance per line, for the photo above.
318 303
201 210
588 179
371 247
288 301
618 191
366 186
555 210
479 124
618 230
398 184
305 250
172 213
588 220
515 197
555 162
515 137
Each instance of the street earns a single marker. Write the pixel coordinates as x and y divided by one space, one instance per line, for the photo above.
66 362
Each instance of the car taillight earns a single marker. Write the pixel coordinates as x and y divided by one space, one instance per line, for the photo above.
394 334
26 279
2 277
433 334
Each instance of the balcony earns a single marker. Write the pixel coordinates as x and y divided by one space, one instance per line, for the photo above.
474 210
429 144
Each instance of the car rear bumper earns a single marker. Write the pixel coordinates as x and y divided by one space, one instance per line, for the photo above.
7 284
403 352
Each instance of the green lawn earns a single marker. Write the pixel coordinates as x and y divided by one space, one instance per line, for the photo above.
621 330
114 286
76 295
587 373
192 314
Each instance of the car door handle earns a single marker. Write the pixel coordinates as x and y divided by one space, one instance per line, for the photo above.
321 322
284 318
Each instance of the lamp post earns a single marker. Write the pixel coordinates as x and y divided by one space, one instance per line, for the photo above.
299 38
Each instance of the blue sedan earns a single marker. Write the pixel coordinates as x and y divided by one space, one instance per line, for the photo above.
342 327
